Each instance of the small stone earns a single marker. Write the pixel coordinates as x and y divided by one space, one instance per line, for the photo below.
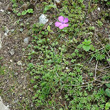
11 61
9 12
2 106
67 68
1 10
98 8
12 52
43 19
12 30
6 31
19 63
26 40
16 74
21 29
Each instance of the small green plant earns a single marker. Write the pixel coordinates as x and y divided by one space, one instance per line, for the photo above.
103 2
107 2
1 58
2 70
59 76
86 45
107 91
107 106
108 59
101 55
25 12
49 29
99 23
13 1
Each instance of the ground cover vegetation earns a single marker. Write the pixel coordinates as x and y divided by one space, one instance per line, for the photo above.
58 76
69 67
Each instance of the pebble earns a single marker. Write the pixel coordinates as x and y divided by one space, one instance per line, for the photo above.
11 61
67 68
2 106
98 8
26 40
19 63
6 31
16 74
12 51
12 30
1 10
43 19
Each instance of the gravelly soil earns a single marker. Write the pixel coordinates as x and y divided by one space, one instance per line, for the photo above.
13 80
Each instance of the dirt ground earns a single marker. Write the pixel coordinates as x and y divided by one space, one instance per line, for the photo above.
14 84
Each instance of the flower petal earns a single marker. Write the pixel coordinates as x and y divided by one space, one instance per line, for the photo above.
65 20
63 25
57 24
61 18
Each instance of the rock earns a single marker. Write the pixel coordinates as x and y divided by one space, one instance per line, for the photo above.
1 10
15 73
19 63
2 106
21 29
12 30
67 68
43 19
26 40
12 52
11 61
98 8
6 31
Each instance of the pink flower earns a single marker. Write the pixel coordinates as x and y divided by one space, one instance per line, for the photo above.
62 22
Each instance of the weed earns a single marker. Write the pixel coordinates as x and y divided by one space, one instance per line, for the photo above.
107 91
86 45
107 106
17 11
25 12
100 24
2 70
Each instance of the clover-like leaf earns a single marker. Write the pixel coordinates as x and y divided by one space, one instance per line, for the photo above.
107 106
107 92
108 85
86 48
